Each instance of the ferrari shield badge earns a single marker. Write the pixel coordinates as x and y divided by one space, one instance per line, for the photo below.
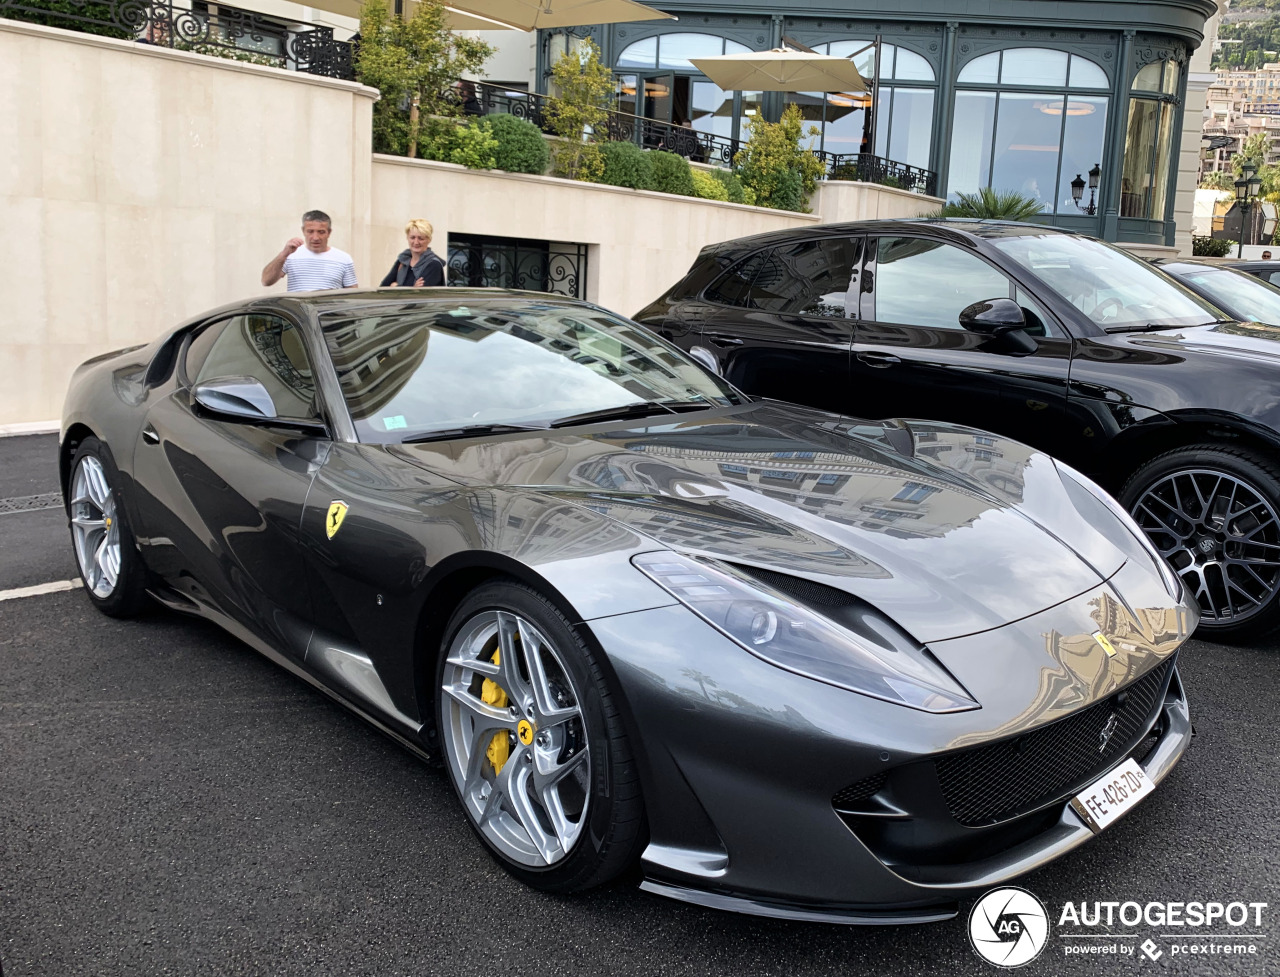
333 521
1106 645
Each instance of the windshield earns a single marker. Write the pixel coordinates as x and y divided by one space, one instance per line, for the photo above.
1113 288
408 370
1243 295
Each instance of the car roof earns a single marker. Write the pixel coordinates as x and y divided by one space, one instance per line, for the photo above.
351 300
952 228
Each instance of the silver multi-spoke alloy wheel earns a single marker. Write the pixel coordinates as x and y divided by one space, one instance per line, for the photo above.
1220 535
515 738
95 528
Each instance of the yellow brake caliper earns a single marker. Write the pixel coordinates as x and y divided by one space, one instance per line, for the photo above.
491 693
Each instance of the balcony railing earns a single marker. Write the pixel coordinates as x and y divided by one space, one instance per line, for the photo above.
240 35
692 144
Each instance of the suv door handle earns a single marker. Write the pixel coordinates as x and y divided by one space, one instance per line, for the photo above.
724 341
878 360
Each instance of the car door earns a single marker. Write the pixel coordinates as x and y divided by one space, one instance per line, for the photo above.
226 495
912 358
780 323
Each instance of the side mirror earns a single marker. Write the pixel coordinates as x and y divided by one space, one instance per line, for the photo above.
242 397
993 317
704 356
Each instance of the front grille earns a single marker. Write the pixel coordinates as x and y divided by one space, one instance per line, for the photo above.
860 791
993 783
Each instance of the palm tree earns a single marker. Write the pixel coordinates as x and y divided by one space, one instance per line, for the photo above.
991 204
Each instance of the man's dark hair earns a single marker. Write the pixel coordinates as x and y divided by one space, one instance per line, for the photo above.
316 215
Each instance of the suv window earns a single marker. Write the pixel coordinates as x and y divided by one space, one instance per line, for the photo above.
927 283
809 278
265 347
734 286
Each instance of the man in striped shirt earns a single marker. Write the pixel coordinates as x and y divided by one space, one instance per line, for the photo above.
315 267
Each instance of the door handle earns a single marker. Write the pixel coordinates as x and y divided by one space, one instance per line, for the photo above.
149 435
724 341
878 360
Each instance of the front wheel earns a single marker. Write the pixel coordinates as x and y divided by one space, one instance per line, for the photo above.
105 553
533 742
1214 515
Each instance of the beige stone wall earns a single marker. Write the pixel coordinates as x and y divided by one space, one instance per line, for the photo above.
640 242
838 201
142 186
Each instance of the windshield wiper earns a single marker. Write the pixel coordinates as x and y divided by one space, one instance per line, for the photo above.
471 431
644 408
1156 326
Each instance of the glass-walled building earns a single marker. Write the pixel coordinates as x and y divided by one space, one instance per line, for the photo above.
1025 95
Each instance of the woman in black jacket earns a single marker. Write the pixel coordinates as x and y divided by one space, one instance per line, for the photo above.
417 265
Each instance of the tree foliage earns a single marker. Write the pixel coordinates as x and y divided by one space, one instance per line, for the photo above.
774 167
1217 180
579 111
413 63
989 204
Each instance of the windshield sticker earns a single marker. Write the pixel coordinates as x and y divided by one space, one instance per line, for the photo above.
395 423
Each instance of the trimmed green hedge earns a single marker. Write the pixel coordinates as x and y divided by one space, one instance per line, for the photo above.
626 165
521 147
671 173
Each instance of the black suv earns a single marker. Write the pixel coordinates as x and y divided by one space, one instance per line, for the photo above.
1053 338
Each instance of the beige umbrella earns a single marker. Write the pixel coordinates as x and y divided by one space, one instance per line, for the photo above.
533 14
457 19
781 70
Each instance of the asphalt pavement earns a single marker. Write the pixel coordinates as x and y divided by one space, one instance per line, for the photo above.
173 803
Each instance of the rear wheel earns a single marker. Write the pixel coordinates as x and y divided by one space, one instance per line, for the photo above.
105 552
533 742
1214 514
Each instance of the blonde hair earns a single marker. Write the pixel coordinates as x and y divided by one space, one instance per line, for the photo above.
421 226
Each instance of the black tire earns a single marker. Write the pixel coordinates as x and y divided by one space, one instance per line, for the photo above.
1214 513
611 824
125 594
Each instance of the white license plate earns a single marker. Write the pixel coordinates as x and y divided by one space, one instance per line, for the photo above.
1108 797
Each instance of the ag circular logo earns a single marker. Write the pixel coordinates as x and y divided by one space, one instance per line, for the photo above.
1008 927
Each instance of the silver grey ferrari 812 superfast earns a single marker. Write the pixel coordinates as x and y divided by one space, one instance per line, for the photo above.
782 661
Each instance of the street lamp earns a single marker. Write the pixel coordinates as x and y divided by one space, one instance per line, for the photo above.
1077 190
1247 188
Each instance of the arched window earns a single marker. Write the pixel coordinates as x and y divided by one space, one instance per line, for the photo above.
1148 141
657 80
1030 120
904 111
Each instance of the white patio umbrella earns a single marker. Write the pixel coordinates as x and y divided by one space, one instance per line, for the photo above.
533 14
781 70
457 19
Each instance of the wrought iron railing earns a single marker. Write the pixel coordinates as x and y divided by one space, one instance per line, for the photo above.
240 35
877 169
498 262
700 147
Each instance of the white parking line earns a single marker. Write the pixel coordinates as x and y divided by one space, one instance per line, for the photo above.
40 588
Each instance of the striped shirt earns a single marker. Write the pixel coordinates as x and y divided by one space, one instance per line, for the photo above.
311 272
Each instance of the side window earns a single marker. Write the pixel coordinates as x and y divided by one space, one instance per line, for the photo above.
1274 277
809 278
927 283
265 347
734 286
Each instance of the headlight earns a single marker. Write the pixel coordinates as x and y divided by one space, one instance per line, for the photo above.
1074 483
876 659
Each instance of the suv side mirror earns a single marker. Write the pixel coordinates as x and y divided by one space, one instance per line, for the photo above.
241 397
993 317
